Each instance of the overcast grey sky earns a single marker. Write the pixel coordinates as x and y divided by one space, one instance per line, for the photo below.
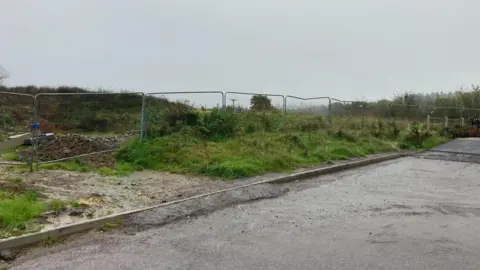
342 48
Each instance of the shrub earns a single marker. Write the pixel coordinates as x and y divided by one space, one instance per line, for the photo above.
217 125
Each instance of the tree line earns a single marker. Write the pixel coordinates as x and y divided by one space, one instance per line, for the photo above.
456 104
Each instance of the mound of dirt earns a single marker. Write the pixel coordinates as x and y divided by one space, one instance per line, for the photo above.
69 146
75 145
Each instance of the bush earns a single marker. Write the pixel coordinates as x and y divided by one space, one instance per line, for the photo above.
217 125
415 137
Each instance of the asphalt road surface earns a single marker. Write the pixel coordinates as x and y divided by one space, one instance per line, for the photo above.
411 213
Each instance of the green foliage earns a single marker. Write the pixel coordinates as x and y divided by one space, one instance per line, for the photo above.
14 179
74 204
218 125
260 152
104 171
10 156
120 169
100 110
57 206
243 142
73 165
260 103
17 212
214 124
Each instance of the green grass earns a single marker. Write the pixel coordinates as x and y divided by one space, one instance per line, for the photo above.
121 169
233 145
433 141
73 165
14 179
18 212
111 225
256 153
74 204
57 205
10 156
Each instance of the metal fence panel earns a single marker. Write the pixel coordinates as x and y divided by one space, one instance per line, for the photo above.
314 113
16 115
163 110
86 124
345 114
470 112
244 101
94 118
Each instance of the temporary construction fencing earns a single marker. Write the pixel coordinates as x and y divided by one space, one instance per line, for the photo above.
158 122
74 117
318 110
16 115
272 105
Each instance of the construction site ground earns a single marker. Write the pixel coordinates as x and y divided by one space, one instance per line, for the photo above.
98 195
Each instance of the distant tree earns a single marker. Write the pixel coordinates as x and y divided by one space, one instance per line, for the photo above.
260 103
338 108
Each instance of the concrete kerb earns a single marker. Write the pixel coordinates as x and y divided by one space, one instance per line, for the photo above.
98 223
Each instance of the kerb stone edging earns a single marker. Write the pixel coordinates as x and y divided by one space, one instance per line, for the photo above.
97 223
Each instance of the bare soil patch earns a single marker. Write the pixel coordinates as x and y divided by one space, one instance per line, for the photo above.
95 195
66 146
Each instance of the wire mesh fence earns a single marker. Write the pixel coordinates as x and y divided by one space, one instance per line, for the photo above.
403 115
346 114
16 115
257 111
169 112
85 124
307 114
470 112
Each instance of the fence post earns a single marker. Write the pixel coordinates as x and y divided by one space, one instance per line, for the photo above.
428 121
361 113
284 113
224 101
446 121
142 118
330 112
34 134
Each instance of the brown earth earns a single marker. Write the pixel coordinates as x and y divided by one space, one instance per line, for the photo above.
74 145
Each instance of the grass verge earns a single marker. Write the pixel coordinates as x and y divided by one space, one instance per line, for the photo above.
258 153
232 145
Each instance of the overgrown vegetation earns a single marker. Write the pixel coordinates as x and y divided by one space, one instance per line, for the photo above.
104 111
231 144
239 142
